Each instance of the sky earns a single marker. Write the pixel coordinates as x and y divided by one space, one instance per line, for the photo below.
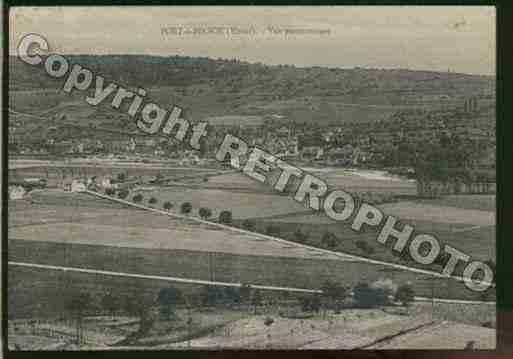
434 38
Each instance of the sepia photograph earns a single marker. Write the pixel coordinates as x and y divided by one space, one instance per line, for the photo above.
251 177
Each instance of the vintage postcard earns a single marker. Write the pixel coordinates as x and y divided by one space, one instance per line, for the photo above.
242 177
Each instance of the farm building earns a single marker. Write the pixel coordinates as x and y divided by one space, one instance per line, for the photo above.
73 185
77 186
16 192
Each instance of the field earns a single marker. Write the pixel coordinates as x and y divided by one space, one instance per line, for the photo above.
134 241
440 214
54 171
350 180
365 181
442 336
478 202
461 225
178 237
236 181
351 329
242 204
111 331
233 328
79 230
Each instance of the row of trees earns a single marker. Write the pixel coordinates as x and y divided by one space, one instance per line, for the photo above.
328 240
363 295
185 208
171 298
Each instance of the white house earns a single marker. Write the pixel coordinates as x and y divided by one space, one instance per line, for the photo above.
106 182
77 186
16 192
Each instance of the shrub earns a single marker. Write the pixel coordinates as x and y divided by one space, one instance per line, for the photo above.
138 198
311 303
167 205
334 291
186 208
212 295
268 321
123 194
249 225
205 213
361 244
273 231
110 303
367 297
79 303
299 236
329 240
364 246
245 293
225 217
405 294
110 191
232 295
369 250
168 298
256 299
152 200
387 285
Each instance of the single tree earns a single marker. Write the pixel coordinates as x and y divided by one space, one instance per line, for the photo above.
249 225
137 198
186 208
110 303
232 295
225 217
123 193
152 201
273 231
167 205
139 304
256 300
329 240
365 247
268 321
245 293
368 297
212 295
405 294
333 293
205 213
299 236
311 303
369 250
78 305
168 298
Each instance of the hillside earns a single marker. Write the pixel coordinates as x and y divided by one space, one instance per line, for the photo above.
216 88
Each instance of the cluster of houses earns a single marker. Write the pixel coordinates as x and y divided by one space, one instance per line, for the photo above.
19 189
70 184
